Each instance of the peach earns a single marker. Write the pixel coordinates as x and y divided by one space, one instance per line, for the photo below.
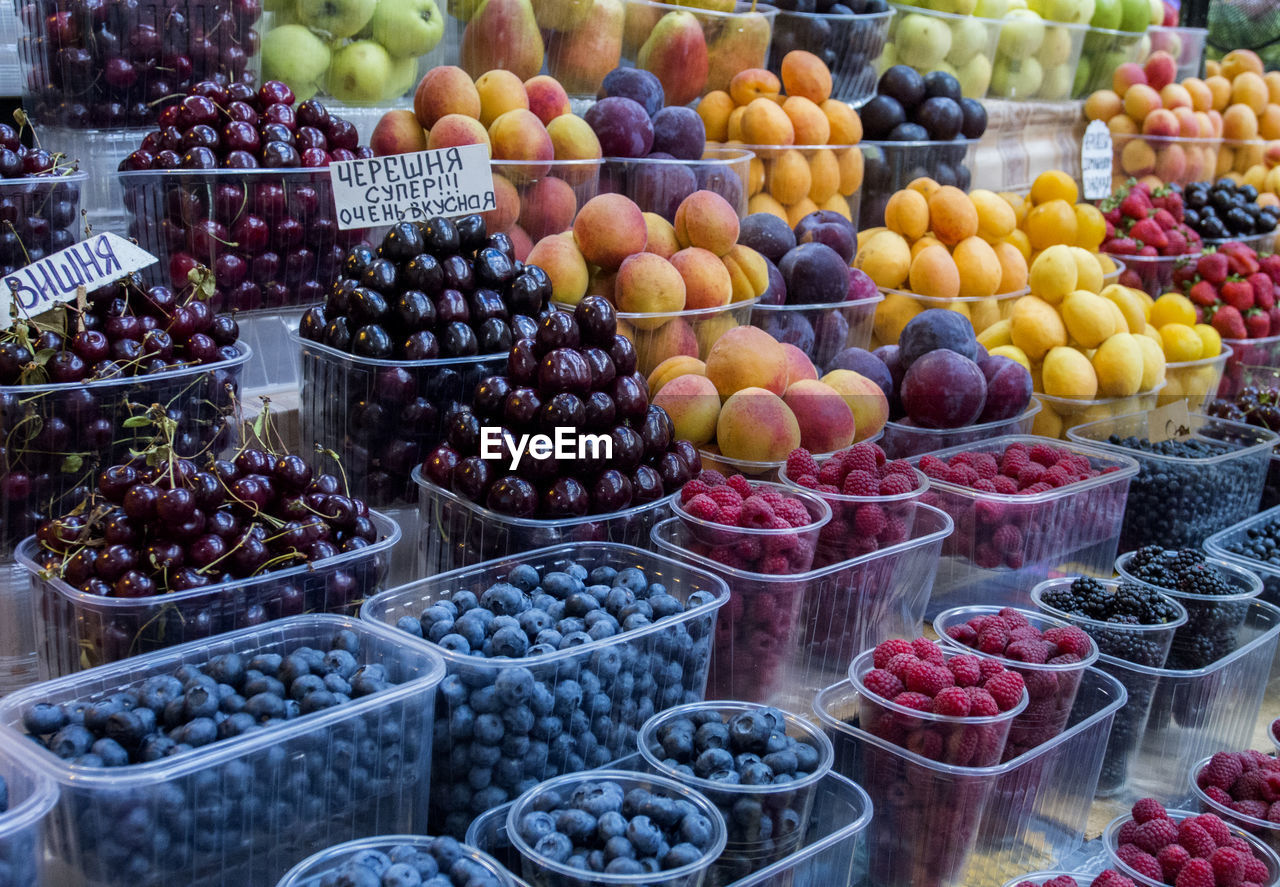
1175 95
519 135
1160 123
521 243
680 365
693 404
1171 163
547 207
746 357
1122 125
445 90
1140 101
825 418
1137 158
662 236
1161 68
865 398
398 132
1201 96
1269 123
804 74
1126 75
1103 105
765 123
558 255
751 84
674 338
706 279
706 219
609 227
547 98
453 130
648 284
1250 89
1238 61
714 109
500 91
799 366
507 205
573 139
810 124
846 125
757 426
1188 123
1239 122
1220 89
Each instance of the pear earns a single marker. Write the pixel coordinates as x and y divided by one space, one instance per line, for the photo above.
676 53
742 43
640 20
581 58
562 15
503 34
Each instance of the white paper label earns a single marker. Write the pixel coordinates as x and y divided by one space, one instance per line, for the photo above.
412 187
93 263
1095 161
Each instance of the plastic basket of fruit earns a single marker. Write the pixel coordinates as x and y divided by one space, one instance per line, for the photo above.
361 698
1022 814
1036 59
1152 274
397 856
45 214
1186 45
658 184
781 638
26 799
648 663
1104 50
1175 160
924 38
1252 544
1220 786
659 336
782 796
891 165
74 78
1060 414
903 438
822 332
1005 542
849 43
832 853
78 629
788 175
1195 381
541 198
981 311
1247 355
1118 838
19 661
1117 268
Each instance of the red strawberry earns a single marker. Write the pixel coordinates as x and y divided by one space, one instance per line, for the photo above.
1122 246
1201 315
1203 293
1177 243
1238 294
1111 230
1135 204
1258 324
1228 322
1183 275
1170 201
1212 267
1274 314
1143 187
1149 250
1264 289
1149 232
1164 219
1271 265
1240 259
1112 215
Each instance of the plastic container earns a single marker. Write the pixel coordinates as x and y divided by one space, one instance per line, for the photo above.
1246 355
1076 525
1195 381
659 185
1186 45
926 45
1109 841
981 311
1045 72
30 797
833 852
19 661
1176 717
984 824
1263 244
529 199
1104 50
98 153
838 168
782 638
890 166
787 551
693 332
667 665
65 51
715 460
1061 414
456 532
1177 501
312 871
901 441
1051 689
822 332
956 741
76 630
44 212
1152 274
276 366
838 540
849 44
1039 878
263 800
351 406
1174 160
10 65
542 871
1227 544
1262 829
59 435
1117 268
787 808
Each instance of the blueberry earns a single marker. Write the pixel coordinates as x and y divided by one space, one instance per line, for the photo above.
602 576
611 824
504 599
631 578
712 734
624 866
523 577
464 601
110 752
401 875
575 639
71 741
711 761
697 830
680 855
554 846
512 643
644 835
783 763
43 718
455 643
560 585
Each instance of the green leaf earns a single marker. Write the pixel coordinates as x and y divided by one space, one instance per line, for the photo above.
72 463
44 355
136 422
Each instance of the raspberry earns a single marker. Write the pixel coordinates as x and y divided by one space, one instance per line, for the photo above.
1255 869
986 466
1194 837
927 678
882 683
1127 830
756 513
917 701
899 664
860 483
703 507
832 472
1005 486
1044 454
800 463
1216 828
1140 861
808 481
1250 785
731 515
1036 489
1273 813
1112 878
1152 836
693 488
794 513
964 475
928 462
776 565
1006 689
965 669
711 477
963 633
886 650
749 548
1148 808
993 639
984 486
773 497
1034 652
1061 881
981 705
989 668
1228 867
740 484
1007 539
894 532
1172 858
1196 873
725 496
861 457
896 485
952 702
1070 639
898 466
1222 796
1256 809
927 650
1013 460
1056 477
870 520
1030 474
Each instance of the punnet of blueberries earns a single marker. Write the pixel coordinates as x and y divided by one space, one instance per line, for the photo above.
19 856
409 862
554 664
1226 209
614 823
1259 542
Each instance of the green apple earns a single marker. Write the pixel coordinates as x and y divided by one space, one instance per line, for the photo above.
1135 15
1083 72
1073 12
974 76
1056 48
991 8
293 54
1022 34
463 10
407 28
969 36
337 18
922 41
1056 84
1016 78
359 73
1107 14
404 78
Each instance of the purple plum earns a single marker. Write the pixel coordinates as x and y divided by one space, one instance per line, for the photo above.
864 363
815 275
776 294
831 228
944 390
767 234
934 329
1008 388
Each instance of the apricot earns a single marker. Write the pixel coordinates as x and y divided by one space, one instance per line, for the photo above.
766 203
846 126
661 236
507 205
1272 79
927 240
748 272
1137 158
1126 75
825 418
735 123
648 285
1088 318
706 280
746 357
824 176
886 259
519 135
751 84
710 329
714 109
454 130
500 91
706 219
559 256
978 266
933 273
1239 122
907 213
952 215
800 209
547 98
1068 373
693 404
1188 123
1160 123
1122 125
755 425
1240 61
1220 90
837 203
996 218
572 138
851 169
1088 270
925 185
1013 267
673 338
1201 95
799 366
444 90
787 177
603 283
1175 95
609 227
1054 274
806 75
1103 105
1036 327
547 207
1171 163
1160 69
679 365
1140 101
1250 89
755 175
807 119
765 123
1118 365
1269 122
865 398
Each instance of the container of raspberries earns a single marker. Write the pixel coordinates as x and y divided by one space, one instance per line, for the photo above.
1253 543
904 438
1050 654
1241 788
872 498
1154 847
409 330
1105 878
1019 815
1147 228
391 857
603 666
1022 506
175 550
676 847
760 766
26 799
155 790
1192 481
781 638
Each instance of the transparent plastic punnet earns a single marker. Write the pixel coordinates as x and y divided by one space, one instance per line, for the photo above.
31 796
1061 414
76 630
1263 829
605 690
985 824
1179 501
43 211
314 870
1077 525
822 332
1226 544
853 40
890 166
1195 381
901 441
1110 842
241 810
695 329
780 639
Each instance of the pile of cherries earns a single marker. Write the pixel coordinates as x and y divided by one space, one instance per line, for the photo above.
36 218
98 63
576 372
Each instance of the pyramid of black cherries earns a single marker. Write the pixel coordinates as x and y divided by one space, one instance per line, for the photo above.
270 240
35 219
577 372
